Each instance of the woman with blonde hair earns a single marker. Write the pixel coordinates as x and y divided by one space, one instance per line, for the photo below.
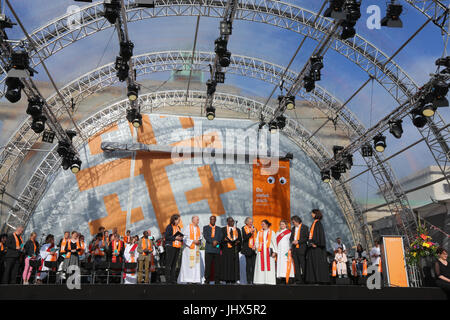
31 250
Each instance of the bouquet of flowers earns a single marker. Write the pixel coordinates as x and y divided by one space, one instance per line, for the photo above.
421 247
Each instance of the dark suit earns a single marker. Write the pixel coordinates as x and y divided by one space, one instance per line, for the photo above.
229 260
212 253
299 254
11 260
250 255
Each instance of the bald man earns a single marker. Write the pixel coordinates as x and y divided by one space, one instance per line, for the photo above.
192 265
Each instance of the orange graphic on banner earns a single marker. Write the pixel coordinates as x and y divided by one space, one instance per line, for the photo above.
116 218
153 168
271 194
96 141
210 190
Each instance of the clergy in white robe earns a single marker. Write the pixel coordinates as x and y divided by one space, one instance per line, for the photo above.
266 246
130 255
48 252
192 265
284 269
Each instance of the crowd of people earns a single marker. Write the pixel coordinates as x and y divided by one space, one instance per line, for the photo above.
297 255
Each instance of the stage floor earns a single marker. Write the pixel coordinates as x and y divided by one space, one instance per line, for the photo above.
216 292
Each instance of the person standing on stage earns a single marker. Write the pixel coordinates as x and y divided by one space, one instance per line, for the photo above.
71 251
3 238
192 266
213 236
131 255
285 265
145 250
375 254
299 239
339 244
248 243
115 249
83 252
341 263
360 254
62 243
173 245
31 249
442 270
48 252
230 245
317 270
14 247
127 237
266 247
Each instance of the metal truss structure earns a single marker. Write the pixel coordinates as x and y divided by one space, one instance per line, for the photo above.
59 34
150 102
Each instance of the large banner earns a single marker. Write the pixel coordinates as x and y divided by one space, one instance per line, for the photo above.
271 194
394 261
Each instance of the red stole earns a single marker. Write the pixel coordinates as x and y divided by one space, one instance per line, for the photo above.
265 254
282 235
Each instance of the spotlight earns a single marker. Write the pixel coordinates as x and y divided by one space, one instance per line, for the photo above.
225 59
210 113
395 128
134 117
14 89
19 65
352 7
439 91
419 120
348 30
316 66
273 127
392 19
67 161
219 76
366 150
211 87
48 136
379 142
112 10
347 161
308 84
335 10
289 102
341 168
428 110
38 124
336 150
71 134
225 28
122 68
76 165
443 62
220 46
326 177
133 90
281 122
63 148
35 105
335 173
5 22
126 50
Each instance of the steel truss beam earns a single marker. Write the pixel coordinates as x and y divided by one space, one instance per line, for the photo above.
58 35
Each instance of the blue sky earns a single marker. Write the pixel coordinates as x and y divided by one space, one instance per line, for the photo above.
276 45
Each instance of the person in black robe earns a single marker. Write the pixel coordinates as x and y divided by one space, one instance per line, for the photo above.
317 270
299 248
173 247
14 250
247 251
231 246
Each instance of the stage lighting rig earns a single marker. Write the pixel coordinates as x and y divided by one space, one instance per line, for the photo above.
123 69
379 142
75 165
112 10
366 150
38 123
392 19
273 127
48 136
133 91
225 28
126 50
220 46
19 65
419 120
326 177
35 106
308 84
13 89
337 150
352 9
225 59
281 122
347 161
134 117
316 64
5 22
395 128
288 102
335 10
335 172
210 113
219 77
211 87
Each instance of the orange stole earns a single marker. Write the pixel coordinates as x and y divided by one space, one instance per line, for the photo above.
235 236
193 235
252 240
176 243
311 232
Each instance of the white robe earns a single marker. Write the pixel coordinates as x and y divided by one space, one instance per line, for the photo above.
130 278
195 273
265 277
282 250
45 256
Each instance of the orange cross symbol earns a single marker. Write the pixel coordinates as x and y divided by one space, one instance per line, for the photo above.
210 190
